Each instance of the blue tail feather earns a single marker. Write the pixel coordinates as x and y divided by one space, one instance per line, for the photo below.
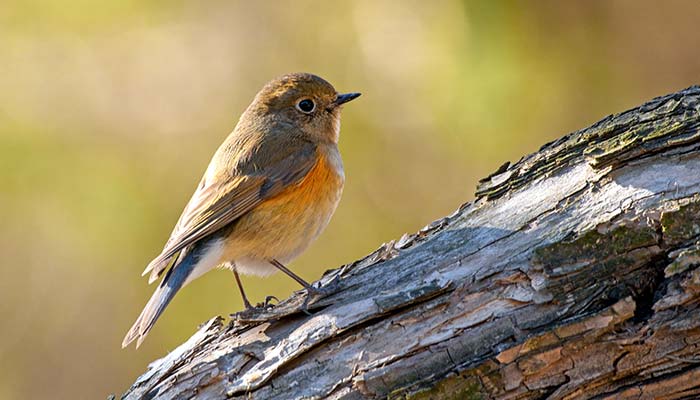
169 286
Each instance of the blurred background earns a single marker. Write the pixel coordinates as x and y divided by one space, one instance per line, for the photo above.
111 110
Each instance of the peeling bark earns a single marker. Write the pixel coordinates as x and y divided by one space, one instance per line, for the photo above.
573 275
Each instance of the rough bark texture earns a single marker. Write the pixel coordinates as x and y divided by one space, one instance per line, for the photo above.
572 276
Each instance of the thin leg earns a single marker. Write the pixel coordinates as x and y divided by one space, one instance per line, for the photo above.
292 275
246 303
309 289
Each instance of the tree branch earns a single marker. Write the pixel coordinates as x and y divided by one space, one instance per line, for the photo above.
572 275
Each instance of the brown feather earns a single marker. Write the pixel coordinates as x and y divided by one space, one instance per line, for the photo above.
217 205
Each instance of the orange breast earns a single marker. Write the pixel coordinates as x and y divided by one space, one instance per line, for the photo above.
320 183
284 225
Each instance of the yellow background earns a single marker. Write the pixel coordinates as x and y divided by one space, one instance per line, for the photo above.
110 111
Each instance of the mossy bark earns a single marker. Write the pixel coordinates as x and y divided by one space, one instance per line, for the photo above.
573 275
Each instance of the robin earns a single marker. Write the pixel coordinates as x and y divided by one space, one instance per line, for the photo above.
269 191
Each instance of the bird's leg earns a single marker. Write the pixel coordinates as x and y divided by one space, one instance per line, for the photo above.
246 303
310 290
292 275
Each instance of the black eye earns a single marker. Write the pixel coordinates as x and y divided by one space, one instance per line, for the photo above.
306 105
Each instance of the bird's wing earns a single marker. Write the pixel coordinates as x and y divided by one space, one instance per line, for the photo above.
219 203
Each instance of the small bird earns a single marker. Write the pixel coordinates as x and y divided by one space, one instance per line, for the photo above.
269 191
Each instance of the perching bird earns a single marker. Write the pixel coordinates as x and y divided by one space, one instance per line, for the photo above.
269 191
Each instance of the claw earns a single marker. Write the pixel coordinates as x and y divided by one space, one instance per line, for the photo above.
310 292
266 304
305 304
267 301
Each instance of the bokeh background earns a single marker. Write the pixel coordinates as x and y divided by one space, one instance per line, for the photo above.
110 111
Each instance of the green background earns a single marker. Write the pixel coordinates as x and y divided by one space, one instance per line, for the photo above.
110 111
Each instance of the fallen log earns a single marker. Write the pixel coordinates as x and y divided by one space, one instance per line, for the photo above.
573 275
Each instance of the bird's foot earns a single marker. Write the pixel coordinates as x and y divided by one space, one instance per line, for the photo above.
250 310
315 293
267 304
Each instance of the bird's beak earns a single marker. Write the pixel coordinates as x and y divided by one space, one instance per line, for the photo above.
344 98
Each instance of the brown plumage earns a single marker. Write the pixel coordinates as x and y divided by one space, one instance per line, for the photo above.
268 192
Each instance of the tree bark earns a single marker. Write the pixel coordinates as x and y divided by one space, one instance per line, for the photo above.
573 275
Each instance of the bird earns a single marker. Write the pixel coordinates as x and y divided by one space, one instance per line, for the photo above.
268 192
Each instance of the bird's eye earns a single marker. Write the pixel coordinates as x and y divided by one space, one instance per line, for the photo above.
306 106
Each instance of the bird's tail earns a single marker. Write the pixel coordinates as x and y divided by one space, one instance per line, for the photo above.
175 279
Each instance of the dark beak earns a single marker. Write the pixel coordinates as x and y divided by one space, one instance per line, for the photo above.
344 98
